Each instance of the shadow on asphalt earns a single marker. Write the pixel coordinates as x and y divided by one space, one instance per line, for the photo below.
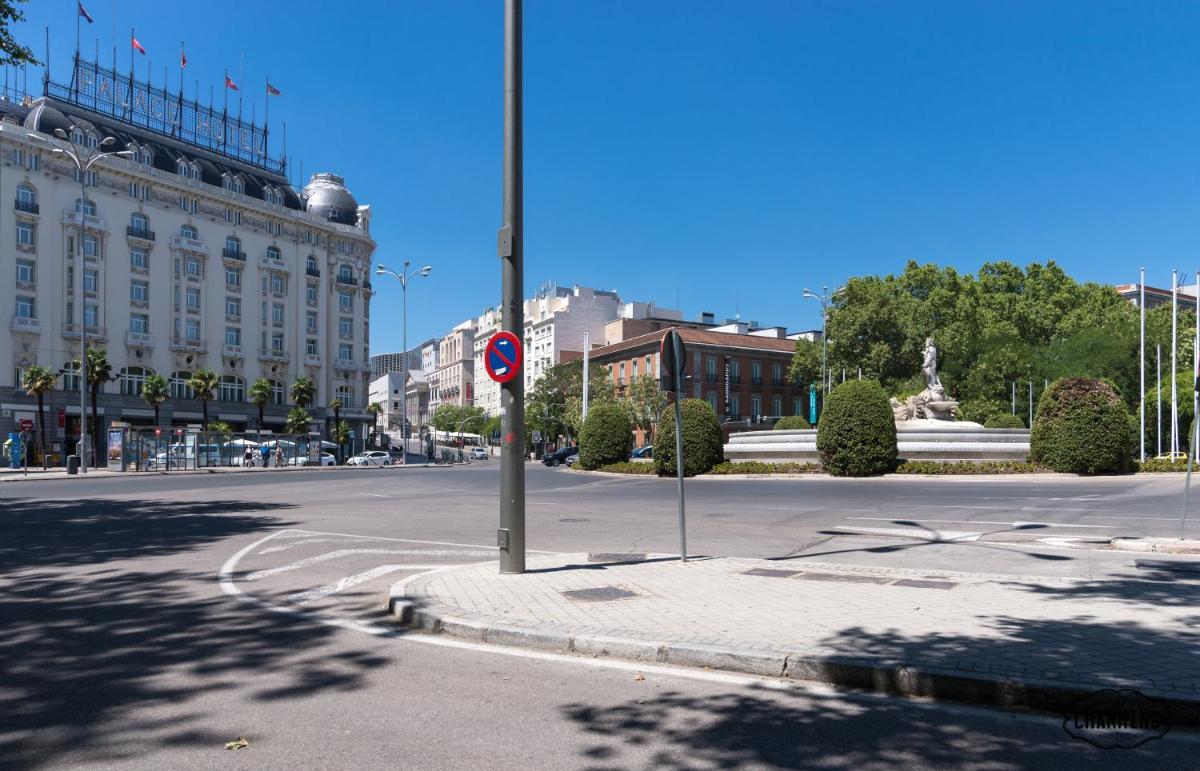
745 729
102 659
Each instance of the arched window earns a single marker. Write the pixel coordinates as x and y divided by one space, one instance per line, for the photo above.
277 392
233 183
345 394
26 196
233 389
139 224
78 138
143 155
273 253
187 231
132 380
86 205
232 245
179 385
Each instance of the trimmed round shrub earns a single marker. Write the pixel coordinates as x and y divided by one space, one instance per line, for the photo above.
791 422
1004 421
606 437
856 435
1082 427
703 442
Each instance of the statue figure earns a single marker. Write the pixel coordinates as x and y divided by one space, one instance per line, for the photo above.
929 368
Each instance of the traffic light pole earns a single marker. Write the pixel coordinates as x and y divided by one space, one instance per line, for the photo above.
511 535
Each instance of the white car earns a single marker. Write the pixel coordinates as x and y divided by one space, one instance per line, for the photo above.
478 453
372 458
303 460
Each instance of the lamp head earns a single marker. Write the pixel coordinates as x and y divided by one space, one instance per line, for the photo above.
380 270
425 271
60 133
107 141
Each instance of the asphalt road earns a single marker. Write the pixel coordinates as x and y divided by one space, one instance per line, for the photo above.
121 647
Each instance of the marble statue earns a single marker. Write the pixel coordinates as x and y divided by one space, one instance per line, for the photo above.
932 403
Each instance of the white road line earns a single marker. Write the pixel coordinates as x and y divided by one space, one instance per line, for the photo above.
342 585
417 540
292 543
379 495
225 577
980 522
921 535
333 555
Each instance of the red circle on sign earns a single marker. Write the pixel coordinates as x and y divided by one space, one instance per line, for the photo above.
502 366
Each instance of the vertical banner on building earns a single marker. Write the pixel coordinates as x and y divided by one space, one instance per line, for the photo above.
812 404
728 380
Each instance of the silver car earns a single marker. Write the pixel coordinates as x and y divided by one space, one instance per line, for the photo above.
371 458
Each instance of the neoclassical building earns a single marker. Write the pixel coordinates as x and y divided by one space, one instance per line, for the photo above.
194 258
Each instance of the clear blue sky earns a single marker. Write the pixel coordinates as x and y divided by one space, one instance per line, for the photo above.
727 152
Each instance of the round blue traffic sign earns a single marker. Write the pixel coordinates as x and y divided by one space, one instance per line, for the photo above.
502 357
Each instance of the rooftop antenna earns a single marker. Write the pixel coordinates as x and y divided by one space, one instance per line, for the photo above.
737 307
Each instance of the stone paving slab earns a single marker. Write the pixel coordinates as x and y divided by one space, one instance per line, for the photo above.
1012 640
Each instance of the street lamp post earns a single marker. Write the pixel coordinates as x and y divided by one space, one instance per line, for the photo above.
404 275
824 298
84 157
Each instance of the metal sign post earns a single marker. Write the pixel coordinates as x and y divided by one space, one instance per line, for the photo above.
1187 481
674 358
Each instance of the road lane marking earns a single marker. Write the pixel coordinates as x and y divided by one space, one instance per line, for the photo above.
917 533
417 540
377 495
348 582
333 555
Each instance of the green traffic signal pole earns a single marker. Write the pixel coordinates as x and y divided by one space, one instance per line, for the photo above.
511 536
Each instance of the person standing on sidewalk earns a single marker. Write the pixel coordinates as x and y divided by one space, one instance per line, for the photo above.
266 456
278 455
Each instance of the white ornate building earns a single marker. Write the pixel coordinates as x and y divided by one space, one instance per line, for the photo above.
194 258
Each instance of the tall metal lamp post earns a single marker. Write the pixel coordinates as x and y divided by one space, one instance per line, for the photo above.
404 275
824 298
84 157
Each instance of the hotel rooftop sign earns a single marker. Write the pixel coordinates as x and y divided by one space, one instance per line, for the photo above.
145 106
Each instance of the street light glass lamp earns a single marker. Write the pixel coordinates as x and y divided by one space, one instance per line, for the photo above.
60 133
425 271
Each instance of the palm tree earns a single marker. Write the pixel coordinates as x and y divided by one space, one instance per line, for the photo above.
375 408
155 392
297 421
99 372
303 392
336 406
37 381
260 393
204 382
341 435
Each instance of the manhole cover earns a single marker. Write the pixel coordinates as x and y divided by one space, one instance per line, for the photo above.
771 573
599 594
849 579
917 583
616 557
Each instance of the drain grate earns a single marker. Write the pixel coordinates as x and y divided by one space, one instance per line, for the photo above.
849 579
771 573
917 583
616 557
599 594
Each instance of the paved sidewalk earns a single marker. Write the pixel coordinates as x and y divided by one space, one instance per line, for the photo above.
1017 641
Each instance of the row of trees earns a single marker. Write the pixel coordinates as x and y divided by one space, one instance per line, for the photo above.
999 325
555 404
38 381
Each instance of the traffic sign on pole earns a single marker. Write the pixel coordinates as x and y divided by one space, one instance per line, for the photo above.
502 357
673 356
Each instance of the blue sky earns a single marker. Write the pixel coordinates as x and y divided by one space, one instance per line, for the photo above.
725 153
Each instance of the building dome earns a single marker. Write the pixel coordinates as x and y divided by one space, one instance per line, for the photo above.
46 119
326 196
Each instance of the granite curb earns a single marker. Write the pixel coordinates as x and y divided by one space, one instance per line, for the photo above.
978 685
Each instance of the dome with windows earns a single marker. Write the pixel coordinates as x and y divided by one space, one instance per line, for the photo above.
326 196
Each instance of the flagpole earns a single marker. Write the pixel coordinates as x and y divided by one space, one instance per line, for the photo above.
132 37
75 70
1142 360
225 112
267 122
1174 344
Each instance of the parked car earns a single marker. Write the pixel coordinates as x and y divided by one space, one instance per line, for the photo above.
371 458
303 460
559 457
643 452
478 453
570 460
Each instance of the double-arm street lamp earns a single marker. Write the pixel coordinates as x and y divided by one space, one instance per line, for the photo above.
84 156
404 275
824 298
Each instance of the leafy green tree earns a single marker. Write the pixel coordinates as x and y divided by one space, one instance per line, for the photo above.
806 363
155 391
643 402
204 383
220 427
303 392
375 409
37 382
260 393
341 435
336 406
12 53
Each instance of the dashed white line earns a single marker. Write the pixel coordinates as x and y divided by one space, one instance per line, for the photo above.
342 585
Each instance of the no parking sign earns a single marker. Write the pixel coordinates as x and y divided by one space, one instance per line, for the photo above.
502 357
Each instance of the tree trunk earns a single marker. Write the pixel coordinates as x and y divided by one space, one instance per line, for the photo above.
204 410
337 424
97 434
156 416
260 418
42 425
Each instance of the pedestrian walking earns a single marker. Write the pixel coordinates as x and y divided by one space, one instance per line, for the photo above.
266 456
278 455
248 457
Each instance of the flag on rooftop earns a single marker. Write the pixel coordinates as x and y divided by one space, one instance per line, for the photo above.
138 46
83 12
230 84
271 90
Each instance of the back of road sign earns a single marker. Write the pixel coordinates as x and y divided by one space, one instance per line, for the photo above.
672 342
